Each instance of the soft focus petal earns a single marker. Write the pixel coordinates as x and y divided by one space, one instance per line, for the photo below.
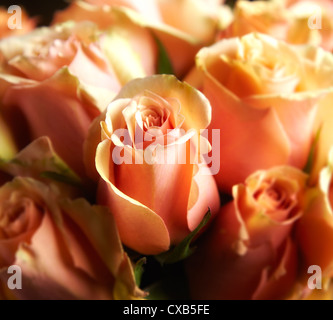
44 110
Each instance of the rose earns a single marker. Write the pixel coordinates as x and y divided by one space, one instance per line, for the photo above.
38 202
37 205
292 21
54 82
24 26
39 54
265 104
263 242
257 245
250 244
55 108
156 202
155 19
66 249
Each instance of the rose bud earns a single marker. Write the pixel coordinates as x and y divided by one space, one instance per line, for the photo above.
144 147
265 104
250 251
64 249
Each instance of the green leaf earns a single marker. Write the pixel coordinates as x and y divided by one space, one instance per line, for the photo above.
138 270
309 164
183 250
164 65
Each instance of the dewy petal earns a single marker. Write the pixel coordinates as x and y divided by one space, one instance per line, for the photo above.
134 220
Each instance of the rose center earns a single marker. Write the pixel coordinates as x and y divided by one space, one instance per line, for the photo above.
152 118
19 218
271 197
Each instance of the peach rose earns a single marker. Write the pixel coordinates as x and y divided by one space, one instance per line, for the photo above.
144 146
156 19
296 22
15 27
264 103
54 81
263 242
66 249
41 53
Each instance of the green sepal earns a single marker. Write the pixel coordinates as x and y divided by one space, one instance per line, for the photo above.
183 250
164 65
309 163
139 269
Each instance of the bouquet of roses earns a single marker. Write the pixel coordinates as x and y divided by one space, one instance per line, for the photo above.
167 149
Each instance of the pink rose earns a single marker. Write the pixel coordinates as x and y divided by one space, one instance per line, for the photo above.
54 82
264 104
262 244
65 247
156 199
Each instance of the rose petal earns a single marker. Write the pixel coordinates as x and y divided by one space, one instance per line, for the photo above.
48 105
201 198
194 106
134 220
275 284
315 233
244 130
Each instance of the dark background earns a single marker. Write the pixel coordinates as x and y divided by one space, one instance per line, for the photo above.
43 10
